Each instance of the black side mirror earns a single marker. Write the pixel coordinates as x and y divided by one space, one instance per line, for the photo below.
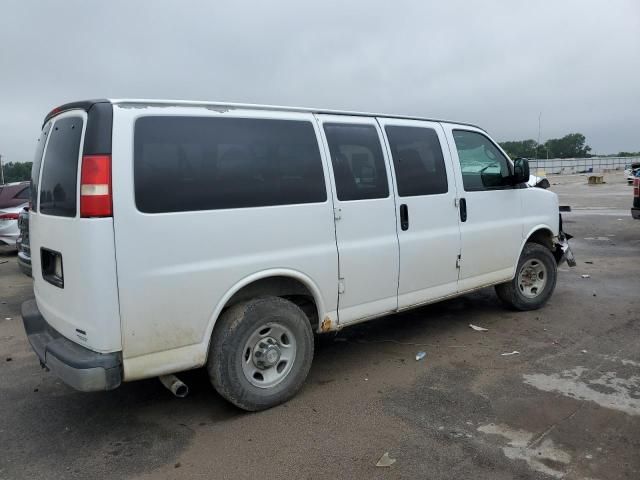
520 171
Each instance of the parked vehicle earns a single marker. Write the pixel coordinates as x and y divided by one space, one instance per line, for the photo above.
13 197
635 209
631 171
296 221
24 252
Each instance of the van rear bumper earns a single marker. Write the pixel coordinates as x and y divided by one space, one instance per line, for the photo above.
77 366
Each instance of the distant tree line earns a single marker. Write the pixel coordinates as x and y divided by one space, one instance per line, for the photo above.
572 145
16 171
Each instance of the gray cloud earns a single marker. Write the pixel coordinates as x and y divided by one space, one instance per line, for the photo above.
494 63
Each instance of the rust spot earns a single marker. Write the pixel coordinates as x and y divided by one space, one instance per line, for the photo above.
325 326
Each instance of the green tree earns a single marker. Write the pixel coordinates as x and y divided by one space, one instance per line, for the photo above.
570 146
16 171
520 148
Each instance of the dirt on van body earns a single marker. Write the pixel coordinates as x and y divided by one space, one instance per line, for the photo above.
566 406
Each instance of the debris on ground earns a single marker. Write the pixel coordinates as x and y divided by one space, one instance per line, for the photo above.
478 329
385 460
589 262
583 351
7 318
585 275
594 293
515 352
420 356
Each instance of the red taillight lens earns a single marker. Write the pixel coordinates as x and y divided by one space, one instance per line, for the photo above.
636 187
95 186
9 216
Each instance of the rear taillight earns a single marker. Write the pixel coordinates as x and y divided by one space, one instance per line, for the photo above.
636 187
9 216
95 186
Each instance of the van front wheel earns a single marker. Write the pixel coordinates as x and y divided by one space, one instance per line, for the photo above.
260 353
534 281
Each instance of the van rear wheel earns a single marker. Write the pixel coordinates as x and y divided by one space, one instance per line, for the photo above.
260 353
534 281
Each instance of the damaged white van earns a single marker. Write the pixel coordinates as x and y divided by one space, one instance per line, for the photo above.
172 235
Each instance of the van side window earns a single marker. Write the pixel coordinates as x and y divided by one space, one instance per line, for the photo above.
35 168
203 163
358 163
417 160
60 168
483 166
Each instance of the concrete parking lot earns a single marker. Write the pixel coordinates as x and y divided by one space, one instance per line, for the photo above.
566 406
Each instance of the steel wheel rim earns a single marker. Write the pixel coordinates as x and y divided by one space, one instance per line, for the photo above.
268 355
532 278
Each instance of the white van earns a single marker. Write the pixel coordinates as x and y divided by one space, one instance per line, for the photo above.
171 235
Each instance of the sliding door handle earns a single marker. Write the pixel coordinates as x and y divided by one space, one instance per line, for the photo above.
404 217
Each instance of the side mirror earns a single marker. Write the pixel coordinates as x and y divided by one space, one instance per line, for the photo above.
520 171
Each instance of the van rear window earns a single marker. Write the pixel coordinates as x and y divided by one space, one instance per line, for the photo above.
202 163
60 168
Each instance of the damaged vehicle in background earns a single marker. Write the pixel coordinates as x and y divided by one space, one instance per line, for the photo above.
13 198
301 221
24 252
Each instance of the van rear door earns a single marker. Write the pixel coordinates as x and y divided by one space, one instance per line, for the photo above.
73 258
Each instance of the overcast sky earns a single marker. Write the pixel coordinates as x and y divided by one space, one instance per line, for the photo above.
494 63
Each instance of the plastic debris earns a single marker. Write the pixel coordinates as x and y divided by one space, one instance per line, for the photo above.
515 352
478 329
420 356
385 460
583 351
7 318
585 275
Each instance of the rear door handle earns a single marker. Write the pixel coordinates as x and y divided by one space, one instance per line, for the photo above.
404 217
463 209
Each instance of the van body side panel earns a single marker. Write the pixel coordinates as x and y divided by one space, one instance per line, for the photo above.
176 268
84 308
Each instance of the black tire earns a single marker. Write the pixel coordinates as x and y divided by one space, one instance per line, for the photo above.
234 328
510 292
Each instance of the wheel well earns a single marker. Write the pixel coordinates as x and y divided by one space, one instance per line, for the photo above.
542 237
284 287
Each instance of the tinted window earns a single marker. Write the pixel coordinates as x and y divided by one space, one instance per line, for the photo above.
358 164
418 160
60 168
24 194
483 166
37 161
200 163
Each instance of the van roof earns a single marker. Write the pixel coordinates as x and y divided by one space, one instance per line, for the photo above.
132 102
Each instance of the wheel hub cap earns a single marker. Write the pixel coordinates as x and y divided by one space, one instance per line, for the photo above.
532 278
269 354
266 354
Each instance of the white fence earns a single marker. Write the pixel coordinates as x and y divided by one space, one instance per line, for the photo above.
580 165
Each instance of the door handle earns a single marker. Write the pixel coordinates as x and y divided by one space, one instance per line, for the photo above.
404 217
463 210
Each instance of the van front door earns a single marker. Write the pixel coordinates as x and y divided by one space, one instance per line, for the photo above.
428 224
365 217
490 209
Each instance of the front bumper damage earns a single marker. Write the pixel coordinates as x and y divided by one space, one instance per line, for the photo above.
562 250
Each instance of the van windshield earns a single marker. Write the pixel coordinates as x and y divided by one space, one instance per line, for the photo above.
58 188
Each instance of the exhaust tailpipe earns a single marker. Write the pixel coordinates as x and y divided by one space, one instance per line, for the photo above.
174 385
